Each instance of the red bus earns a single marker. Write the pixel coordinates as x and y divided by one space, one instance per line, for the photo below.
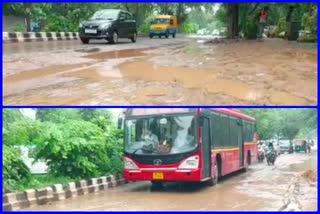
187 144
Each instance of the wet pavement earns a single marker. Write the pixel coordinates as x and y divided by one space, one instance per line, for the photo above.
261 188
181 71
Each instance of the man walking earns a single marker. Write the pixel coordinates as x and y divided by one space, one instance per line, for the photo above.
263 16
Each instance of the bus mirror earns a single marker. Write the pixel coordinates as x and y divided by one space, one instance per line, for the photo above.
120 123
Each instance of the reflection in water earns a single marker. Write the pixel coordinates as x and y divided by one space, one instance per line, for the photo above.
261 188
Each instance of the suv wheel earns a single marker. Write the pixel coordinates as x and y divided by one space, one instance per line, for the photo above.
84 40
114 38
134 37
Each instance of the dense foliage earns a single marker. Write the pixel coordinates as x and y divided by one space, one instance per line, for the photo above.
75 143
191 16
303 12
13 168
287 123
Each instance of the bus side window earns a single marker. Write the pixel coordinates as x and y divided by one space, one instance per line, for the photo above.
245 131
171 21
234 131
216 130
225 126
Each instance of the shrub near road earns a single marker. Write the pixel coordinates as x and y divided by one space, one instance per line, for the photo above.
76 144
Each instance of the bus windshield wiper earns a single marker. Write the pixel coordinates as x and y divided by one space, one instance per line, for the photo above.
141 148
134 152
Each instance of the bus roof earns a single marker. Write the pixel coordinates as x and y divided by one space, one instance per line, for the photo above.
235 113
154 111
164 17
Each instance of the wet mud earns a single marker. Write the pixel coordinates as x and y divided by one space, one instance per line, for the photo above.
273 72
263 187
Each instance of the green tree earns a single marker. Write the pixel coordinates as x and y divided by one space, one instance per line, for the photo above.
75 149
13 168
56 115
10 116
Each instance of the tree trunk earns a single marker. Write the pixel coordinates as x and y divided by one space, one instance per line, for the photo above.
27 9
233 20
180 13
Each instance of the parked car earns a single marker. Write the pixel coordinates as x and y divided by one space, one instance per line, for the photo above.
109 24
285 146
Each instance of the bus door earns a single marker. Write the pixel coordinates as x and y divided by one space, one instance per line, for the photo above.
240 132
206 147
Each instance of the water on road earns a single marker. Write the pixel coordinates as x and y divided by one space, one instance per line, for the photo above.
261 188
177 71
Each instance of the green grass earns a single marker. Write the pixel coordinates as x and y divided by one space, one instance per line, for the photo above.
40 181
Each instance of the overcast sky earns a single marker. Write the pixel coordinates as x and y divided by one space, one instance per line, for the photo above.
28 112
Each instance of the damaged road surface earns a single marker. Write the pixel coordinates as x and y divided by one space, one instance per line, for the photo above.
160 72
263 187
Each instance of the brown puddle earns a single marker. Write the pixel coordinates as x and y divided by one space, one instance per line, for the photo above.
202 79
224 74
42 72
118 54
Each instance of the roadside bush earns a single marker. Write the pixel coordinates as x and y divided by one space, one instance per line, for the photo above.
24 132
189 27
75 149
281 27
309 22
60 24
144 28
114 141
20 28
13 168
251 29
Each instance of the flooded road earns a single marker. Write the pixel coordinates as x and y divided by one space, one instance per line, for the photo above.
181 71
261 188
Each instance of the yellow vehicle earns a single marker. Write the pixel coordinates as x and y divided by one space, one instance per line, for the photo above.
164 25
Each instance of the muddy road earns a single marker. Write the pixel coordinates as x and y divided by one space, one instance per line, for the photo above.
181 71
261 188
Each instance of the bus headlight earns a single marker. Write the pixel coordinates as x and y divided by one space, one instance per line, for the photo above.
129 164
190 163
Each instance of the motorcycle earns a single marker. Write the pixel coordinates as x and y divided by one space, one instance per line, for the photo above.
271 157
260 156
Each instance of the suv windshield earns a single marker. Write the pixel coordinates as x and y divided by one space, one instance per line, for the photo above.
160 135
161 21
105 14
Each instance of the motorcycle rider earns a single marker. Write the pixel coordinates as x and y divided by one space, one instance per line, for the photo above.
271 153
271 147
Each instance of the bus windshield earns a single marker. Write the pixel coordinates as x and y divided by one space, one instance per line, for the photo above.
161 21
160 135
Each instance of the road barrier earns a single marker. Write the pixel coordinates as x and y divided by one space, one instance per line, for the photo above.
58 192
8 37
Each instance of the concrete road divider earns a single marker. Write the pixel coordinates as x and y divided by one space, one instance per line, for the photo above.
8 37
58 192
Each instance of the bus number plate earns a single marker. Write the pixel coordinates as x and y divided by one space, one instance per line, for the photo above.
157 175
